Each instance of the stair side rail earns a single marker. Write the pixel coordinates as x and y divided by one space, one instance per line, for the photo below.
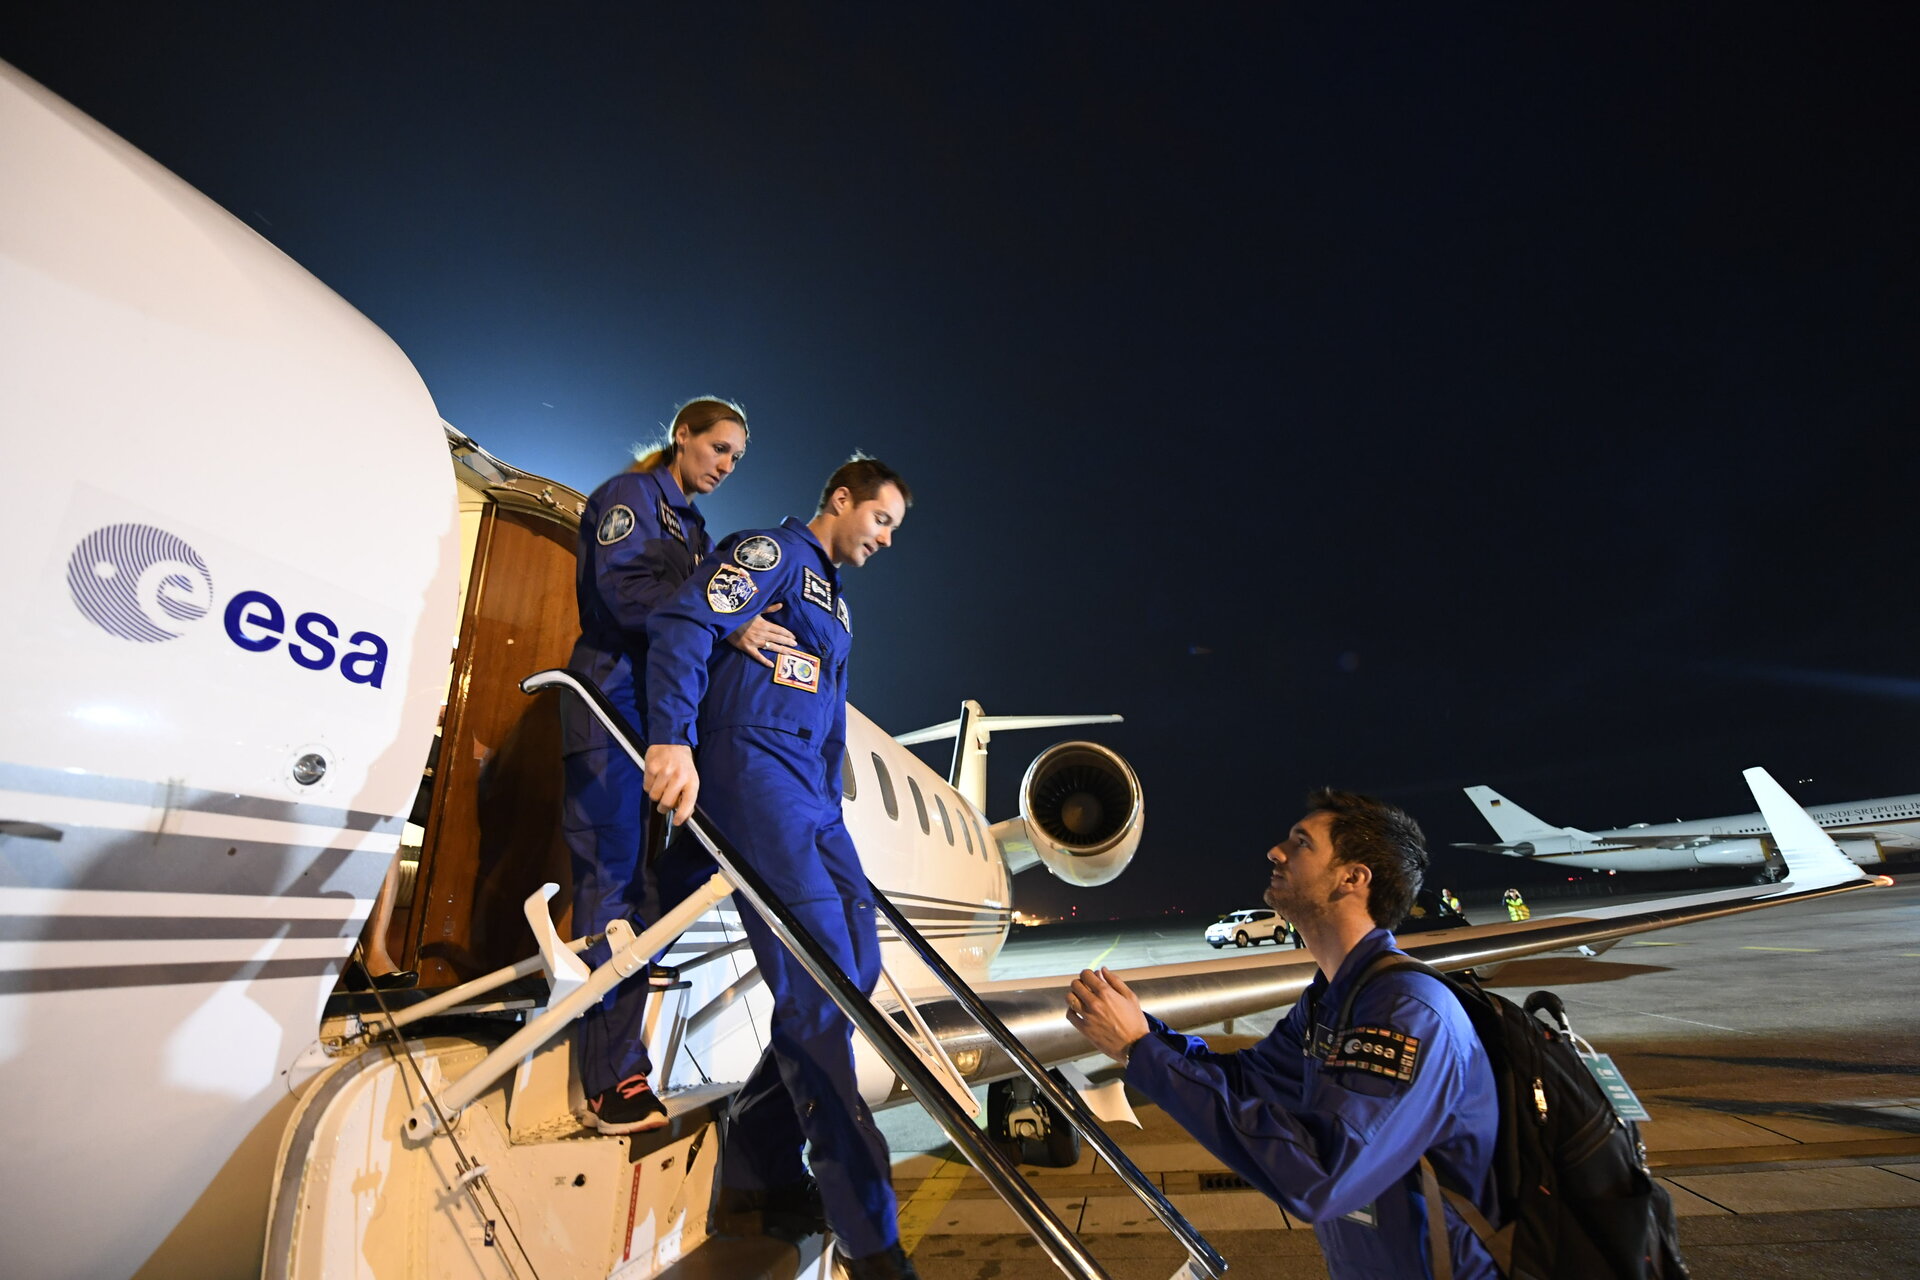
1061 1245
1065 1101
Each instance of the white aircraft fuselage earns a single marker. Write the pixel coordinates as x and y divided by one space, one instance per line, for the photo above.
236 558
1865 830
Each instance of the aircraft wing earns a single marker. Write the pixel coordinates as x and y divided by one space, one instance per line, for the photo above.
1204 992
1602 844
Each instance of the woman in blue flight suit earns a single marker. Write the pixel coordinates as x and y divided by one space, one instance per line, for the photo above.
640 538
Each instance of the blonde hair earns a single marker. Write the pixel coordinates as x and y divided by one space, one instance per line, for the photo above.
699 415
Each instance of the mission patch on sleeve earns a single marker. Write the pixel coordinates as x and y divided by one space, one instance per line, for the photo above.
1378 1050
758 552
730 589
615 525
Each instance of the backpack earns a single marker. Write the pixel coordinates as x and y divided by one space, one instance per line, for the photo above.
1576 1200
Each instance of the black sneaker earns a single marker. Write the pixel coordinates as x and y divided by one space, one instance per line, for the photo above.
790 1212
628 1107
890 1263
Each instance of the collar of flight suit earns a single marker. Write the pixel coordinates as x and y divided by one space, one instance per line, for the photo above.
1322 1000
671 494
799 526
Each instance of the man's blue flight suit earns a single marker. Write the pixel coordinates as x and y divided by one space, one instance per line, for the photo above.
1331 1122
640 538
771 745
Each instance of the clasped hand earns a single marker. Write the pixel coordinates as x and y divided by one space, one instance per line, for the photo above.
1105 1010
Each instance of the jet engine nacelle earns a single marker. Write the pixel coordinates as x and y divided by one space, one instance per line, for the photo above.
1081 815
1731 853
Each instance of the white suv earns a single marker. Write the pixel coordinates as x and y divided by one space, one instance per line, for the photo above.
1247 929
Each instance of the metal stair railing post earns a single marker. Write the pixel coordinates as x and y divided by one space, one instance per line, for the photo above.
1064 1100
1066 1250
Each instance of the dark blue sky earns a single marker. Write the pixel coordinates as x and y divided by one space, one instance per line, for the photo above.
1396 399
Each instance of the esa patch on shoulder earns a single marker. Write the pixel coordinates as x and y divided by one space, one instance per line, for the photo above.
671 523
840 608
615 525
1377 1050
797 670
816 589
730 588
759 552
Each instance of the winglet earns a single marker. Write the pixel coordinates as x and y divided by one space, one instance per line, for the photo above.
1813 860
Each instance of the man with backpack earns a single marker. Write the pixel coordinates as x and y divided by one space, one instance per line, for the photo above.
1331 1113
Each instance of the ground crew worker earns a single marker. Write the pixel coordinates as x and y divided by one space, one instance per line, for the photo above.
1331 1121
640 536
771 746
1453 903
1517 909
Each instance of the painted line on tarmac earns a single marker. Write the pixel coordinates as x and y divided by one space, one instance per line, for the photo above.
1692 1022
1637 943
1104 954
922 1209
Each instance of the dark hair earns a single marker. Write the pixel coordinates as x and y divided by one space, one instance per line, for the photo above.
863 477
1385 840
699 415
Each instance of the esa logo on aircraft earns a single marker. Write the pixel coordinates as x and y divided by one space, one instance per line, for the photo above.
144 584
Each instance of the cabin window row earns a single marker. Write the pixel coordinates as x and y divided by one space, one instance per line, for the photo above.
959 817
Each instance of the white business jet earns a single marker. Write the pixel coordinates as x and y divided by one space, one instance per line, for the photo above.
263 645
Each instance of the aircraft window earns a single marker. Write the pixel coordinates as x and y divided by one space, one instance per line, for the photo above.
886 787
966 830
919 805
945 821
848 787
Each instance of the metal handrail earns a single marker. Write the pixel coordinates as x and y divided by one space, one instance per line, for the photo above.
1066 1101
1066 1250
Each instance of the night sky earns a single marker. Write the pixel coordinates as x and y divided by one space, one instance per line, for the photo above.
1398 400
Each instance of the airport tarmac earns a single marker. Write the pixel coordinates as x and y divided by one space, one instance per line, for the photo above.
1777 1052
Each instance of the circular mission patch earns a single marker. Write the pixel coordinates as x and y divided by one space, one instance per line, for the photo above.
615 525
758 553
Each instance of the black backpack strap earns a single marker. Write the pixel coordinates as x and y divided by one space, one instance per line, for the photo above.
1391 962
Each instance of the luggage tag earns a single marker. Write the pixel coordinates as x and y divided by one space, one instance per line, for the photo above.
1600 1066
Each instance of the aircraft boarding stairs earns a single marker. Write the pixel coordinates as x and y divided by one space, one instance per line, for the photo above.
455 1152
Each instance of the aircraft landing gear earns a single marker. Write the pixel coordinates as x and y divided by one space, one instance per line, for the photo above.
1028 1127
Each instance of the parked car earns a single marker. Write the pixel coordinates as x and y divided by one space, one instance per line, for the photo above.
1249 928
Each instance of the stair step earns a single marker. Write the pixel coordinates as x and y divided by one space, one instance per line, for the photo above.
747 1258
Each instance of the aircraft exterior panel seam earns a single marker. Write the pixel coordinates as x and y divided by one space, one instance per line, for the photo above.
16 956
94 786
145 819
115 902
14 982
139 862
130 928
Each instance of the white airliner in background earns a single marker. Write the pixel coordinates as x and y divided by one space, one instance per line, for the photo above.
265 620
1866 831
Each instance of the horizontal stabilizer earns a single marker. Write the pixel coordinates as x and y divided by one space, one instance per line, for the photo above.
1813 859
941 732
